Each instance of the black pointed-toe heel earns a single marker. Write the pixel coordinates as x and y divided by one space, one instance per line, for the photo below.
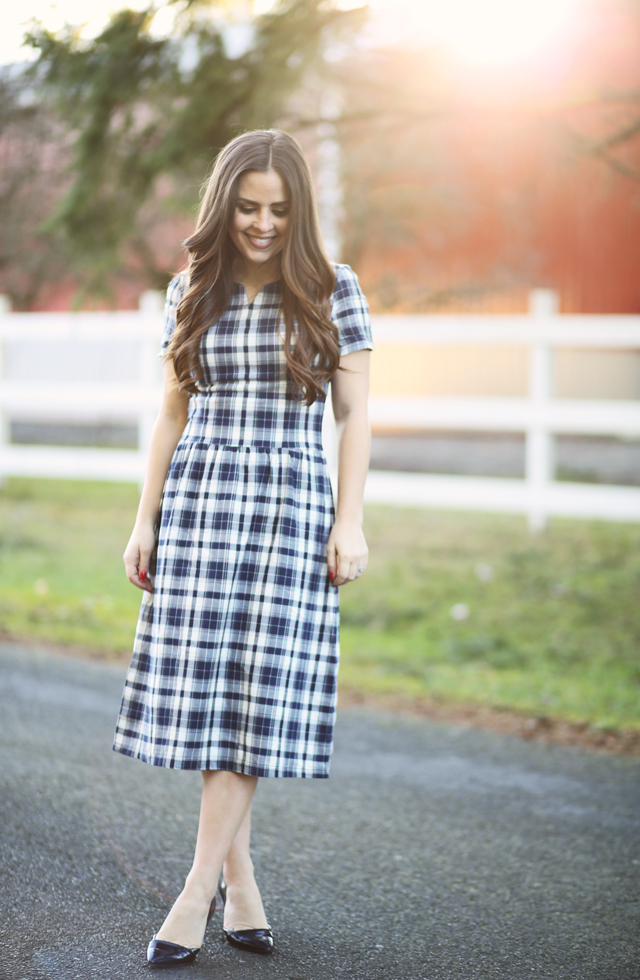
251 940
162 953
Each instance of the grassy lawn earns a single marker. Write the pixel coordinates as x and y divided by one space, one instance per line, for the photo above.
461 607
61 572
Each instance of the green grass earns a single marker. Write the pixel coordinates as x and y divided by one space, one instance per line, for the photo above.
61 572
554 627
553 623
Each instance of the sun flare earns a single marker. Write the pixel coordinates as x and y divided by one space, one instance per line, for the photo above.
484 32
475 32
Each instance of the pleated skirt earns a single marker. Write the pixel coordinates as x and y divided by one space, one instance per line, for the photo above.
236 652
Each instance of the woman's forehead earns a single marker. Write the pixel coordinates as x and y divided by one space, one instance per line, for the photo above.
262 188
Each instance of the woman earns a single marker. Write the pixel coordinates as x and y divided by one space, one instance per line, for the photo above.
236 653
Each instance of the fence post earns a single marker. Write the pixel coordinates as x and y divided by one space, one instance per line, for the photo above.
5 434
151 301
540 462
330 444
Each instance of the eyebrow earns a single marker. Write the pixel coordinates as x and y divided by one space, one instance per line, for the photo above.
274 204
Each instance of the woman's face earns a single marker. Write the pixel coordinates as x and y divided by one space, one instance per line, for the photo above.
261 217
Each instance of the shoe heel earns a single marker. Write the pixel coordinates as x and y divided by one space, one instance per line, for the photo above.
162 953
250 940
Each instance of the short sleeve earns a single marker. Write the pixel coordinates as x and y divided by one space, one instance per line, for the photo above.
175 291
350 312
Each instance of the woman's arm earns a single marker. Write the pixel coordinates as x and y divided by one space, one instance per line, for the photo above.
169 426
347 549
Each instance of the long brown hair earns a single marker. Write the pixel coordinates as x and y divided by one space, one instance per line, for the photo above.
310 338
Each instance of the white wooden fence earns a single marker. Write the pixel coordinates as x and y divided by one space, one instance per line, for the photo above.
539 415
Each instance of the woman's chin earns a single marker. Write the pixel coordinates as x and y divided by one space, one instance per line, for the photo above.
256 256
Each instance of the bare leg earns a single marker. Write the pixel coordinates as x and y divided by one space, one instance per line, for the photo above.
243 909
226 800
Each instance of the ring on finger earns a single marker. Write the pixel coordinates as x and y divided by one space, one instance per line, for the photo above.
361 568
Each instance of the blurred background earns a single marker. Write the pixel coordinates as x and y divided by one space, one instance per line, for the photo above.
478 165
465 152
463 158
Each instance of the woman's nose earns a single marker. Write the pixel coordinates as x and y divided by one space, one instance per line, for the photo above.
264 220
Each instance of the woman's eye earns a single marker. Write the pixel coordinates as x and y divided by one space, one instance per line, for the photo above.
243 209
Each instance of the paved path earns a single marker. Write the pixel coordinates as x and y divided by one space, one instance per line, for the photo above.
433 852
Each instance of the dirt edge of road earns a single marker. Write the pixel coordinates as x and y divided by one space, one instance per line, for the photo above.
504 721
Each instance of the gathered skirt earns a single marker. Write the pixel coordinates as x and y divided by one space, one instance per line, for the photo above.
236 652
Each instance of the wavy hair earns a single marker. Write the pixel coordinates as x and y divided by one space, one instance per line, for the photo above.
311 346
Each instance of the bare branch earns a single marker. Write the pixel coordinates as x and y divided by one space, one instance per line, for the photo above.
398 117
599 150
620 167
622 136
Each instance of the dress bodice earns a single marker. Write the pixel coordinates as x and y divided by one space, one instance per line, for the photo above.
244 397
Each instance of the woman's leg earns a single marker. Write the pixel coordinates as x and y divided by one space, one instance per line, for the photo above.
226 800
243 909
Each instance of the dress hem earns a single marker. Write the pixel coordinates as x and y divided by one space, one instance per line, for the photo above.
222 766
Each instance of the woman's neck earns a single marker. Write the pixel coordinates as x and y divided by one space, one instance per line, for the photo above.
253 276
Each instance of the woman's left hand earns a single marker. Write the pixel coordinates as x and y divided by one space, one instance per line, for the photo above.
347 552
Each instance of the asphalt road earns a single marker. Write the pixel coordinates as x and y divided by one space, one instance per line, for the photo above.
432 853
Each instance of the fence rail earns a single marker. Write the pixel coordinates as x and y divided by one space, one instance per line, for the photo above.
539 415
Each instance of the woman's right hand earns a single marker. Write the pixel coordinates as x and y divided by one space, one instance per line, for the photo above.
169 426
137 556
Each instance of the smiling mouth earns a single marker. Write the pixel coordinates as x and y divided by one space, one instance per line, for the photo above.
261 243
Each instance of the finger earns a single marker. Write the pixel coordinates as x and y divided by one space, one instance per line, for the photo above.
144 565
342 573
332 560
143 584
131 568
353 571
356 568
137 576
143 572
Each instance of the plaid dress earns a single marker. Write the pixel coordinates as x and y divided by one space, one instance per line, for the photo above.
236 653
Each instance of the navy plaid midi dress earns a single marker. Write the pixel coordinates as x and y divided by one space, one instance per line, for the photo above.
236 653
